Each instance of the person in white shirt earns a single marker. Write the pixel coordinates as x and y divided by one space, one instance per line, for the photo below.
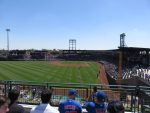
45 106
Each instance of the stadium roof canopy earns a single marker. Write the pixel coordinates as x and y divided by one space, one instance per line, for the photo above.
134 48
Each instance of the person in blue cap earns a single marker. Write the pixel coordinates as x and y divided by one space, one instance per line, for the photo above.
99 106
70 105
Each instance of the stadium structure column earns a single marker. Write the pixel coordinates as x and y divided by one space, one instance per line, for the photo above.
147 57
121 52
119 80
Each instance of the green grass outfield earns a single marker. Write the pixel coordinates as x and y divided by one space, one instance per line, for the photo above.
44 71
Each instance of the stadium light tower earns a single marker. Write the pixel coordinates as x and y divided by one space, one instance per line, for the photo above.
8 30
72 44
122 40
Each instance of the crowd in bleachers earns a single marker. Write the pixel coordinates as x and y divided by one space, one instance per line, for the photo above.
141 72
111 69
127 72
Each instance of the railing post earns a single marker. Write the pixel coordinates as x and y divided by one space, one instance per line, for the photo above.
46 85
10 85
137 95
87 93
131 101
5 90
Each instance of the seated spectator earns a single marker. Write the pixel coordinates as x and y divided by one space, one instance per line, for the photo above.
33 93
115 107
99 105
70 105
4 104
45 106
13 106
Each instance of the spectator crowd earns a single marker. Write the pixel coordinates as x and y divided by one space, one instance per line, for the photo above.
127 71
96 103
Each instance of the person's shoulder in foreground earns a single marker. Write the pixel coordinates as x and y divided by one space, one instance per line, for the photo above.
45 107
4 104
115 107
70 105
99 106
15 108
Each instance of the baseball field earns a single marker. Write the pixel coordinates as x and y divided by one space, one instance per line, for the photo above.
50 71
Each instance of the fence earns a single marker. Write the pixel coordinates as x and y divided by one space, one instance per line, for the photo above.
134 98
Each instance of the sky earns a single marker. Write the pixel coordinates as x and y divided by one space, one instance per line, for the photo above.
95 24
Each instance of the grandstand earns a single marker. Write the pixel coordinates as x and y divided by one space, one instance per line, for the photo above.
135 61
135 79
135 65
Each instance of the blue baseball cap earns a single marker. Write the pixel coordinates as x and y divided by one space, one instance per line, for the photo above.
72 92
101 95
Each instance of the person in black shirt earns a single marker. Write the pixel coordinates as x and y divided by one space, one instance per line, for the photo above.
13 106
115 107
